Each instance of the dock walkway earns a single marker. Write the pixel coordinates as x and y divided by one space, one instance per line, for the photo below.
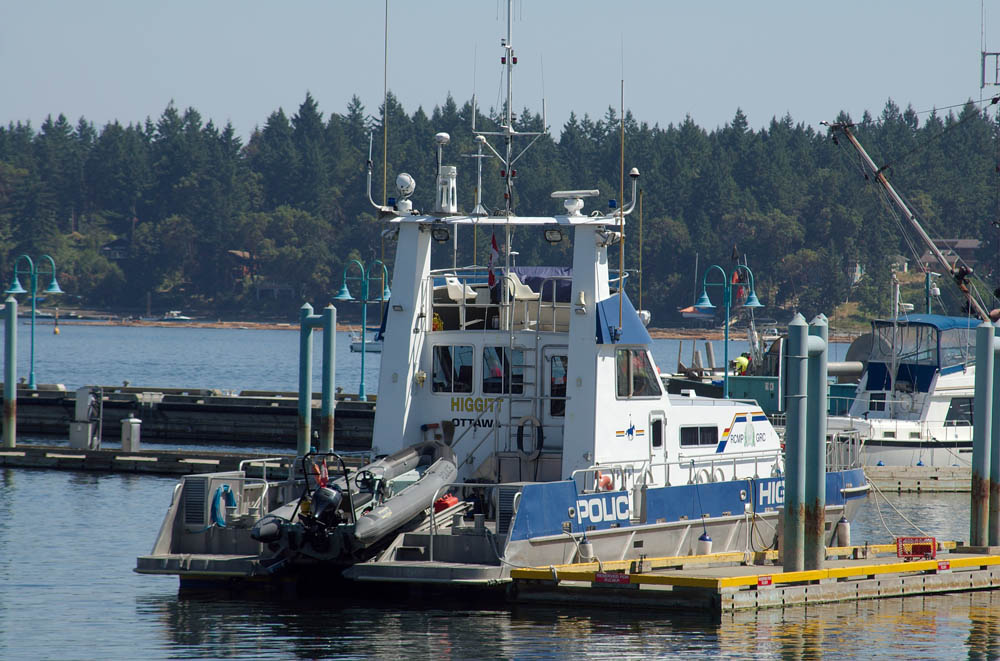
731 582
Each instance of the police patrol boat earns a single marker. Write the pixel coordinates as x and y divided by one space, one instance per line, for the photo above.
522 421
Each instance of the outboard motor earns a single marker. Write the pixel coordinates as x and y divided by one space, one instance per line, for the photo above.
326 505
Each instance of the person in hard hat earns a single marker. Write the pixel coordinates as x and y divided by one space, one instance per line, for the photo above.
741 364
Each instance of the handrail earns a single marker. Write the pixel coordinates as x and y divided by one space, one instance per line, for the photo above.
262 462
644 467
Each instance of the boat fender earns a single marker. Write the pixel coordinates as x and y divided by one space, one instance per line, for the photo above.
843 532
605 481
539 437
704 546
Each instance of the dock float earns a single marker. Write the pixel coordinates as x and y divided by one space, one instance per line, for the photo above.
153 462
920 479
731 582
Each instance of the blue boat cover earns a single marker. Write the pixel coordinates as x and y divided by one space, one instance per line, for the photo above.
632 330
938 321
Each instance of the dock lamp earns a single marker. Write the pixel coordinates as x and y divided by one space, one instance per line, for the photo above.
33 271
345 295
704 303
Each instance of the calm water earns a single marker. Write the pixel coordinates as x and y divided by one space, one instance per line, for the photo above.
68 542
232 360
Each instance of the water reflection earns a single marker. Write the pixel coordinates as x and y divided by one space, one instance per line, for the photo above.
275 626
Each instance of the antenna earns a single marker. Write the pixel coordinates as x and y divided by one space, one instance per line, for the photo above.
621 216
507 130
385 104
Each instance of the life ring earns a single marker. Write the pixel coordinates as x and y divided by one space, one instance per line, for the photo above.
604 481
539 437
906 401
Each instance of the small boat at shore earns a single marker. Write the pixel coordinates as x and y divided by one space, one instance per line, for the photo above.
373 345
175 315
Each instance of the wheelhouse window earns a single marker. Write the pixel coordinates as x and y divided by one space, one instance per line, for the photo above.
876 401
657 431
699 436
452 368
636 376
503 370
557 386
959 412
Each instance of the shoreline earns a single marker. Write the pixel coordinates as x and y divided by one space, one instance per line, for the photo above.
665 333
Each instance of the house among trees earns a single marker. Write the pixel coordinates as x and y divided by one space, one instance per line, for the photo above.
117 250
954 250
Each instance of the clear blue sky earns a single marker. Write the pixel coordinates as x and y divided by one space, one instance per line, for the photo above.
239 60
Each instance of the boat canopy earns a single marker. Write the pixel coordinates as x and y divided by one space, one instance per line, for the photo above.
919 345
938 321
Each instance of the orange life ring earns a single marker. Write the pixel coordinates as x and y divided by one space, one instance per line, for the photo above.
605 482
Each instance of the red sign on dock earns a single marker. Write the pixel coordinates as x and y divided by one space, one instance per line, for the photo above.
611 577
916 547
764 581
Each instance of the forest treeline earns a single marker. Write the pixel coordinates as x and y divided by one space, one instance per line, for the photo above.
180 213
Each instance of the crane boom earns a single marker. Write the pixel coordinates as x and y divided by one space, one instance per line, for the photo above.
960 274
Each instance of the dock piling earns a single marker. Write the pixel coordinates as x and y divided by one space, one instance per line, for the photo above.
981 436
304 436
994 441
307 322
10 373
793 539
329 378
815 445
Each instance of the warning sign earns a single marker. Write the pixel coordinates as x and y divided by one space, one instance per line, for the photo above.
616 578
916 547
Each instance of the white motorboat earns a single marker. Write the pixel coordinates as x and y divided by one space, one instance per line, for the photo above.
373 345
913 404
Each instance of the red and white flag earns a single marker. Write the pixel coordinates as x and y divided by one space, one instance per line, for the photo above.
494 257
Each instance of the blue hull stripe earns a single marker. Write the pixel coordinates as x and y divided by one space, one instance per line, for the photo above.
545 507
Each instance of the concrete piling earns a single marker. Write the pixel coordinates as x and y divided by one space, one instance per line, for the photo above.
795 455
329 378
982 418
10 373
307 322
815 445
304 436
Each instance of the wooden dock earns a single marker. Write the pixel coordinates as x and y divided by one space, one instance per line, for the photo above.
731 581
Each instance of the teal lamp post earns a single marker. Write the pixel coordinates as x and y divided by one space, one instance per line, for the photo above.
33 271
704 303
345 295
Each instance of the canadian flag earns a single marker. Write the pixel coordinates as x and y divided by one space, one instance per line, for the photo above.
494 257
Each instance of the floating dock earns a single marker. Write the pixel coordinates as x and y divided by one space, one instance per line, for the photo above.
196 415
920 479
731 581
152 462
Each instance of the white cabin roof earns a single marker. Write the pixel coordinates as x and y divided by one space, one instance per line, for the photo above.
567 221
